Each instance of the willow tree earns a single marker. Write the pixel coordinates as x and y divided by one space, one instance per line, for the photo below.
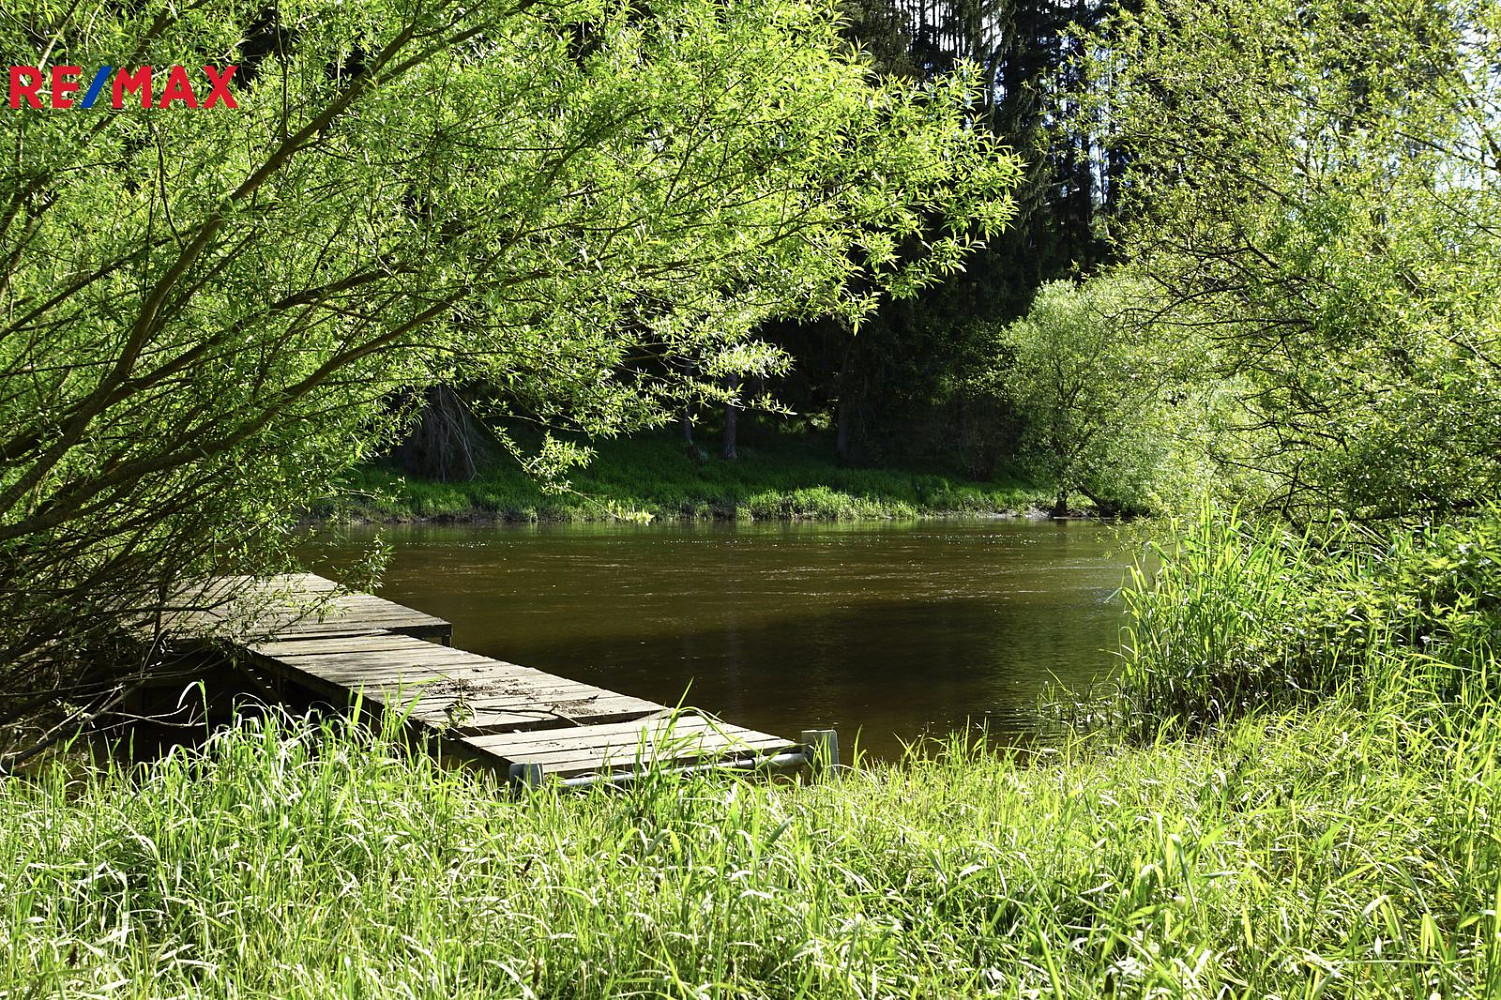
1315 189
206 315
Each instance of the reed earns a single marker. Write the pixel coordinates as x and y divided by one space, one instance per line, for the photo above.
1327 852
1237 616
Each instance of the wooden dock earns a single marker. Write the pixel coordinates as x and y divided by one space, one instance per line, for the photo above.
533 726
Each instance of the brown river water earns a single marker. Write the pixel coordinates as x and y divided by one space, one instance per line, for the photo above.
892 631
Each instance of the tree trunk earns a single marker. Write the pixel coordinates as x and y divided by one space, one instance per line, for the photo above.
842 433
730 411
1060 505
688 410
448 443
842 413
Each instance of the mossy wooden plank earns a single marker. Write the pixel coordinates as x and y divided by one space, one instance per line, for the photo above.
495 711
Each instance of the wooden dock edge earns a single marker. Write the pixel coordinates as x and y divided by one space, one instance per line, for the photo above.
818 752
533 728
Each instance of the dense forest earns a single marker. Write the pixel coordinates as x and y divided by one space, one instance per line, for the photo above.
918 377
1246 259
915 378
1178 303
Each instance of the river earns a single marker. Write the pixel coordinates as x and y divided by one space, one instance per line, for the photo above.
894 631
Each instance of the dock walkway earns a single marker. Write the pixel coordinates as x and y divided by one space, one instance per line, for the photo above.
531 725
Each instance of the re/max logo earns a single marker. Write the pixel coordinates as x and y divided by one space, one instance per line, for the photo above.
176 87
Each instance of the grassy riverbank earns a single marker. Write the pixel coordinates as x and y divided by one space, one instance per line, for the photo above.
1286 855
1329 828
656 476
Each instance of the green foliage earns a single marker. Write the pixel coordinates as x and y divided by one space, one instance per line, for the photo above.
1240 615
896 390
1088 385
1315 192
206 317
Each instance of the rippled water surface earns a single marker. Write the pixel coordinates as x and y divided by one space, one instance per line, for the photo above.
893 630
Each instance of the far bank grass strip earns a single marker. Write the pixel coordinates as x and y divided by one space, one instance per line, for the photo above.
655 478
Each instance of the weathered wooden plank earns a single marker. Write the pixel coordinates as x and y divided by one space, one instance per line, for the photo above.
335 649
676 748
676 745
374 641
615 759
440 690
380 658
289 604
569 713
656 740
437 631
569 707
336 652
582 705
469 680
560 717
498 699
388 678
475 683
686 739
664 723
604 733
520 720
477 680
351 644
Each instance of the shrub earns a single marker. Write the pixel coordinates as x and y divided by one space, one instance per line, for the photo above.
1239 614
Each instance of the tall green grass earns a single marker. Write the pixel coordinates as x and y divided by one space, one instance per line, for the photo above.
1328 853
1237 615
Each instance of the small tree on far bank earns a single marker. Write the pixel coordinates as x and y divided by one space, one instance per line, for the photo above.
1087 385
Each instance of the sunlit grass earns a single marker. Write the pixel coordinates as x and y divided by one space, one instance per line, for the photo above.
655 476
1330 853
